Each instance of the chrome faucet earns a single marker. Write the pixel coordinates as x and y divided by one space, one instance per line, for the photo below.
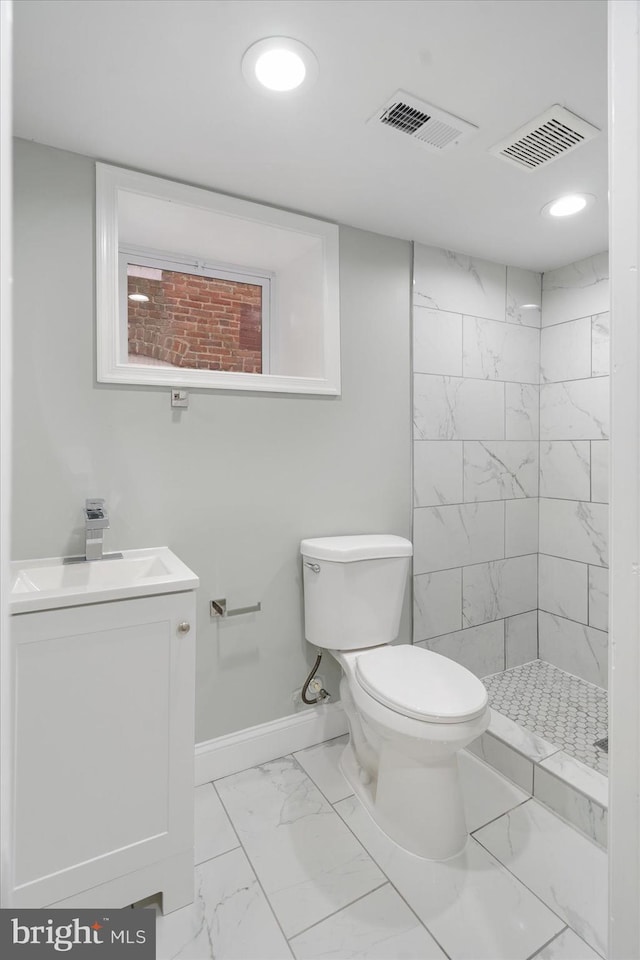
96 521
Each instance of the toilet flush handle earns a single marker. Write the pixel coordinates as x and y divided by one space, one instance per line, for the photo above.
312 566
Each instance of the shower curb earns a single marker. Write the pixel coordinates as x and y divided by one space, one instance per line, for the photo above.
574 791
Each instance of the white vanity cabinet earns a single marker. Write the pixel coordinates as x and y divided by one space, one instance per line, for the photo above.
104 749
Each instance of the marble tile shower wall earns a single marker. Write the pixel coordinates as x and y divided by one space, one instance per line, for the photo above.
574 455
510 463
476 362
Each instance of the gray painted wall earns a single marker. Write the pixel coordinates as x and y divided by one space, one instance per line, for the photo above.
233 483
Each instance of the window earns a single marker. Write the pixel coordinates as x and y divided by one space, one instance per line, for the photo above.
191 315
199 289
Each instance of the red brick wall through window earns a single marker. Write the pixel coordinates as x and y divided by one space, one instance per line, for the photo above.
197 322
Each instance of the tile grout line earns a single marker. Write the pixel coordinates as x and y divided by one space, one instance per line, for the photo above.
533 956
539 461
250 862
385 883
483 623
504 812
383 872
471 832
316 785
481 563
562 616
222 853
494 439
506 380
516 877
505 500
360 844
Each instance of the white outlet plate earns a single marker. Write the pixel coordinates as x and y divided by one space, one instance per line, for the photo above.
179 398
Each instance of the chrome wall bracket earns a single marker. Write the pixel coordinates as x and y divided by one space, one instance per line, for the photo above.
218 609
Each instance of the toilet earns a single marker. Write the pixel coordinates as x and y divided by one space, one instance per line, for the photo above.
409 710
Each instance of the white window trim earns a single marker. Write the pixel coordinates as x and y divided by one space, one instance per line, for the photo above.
114 181
201 268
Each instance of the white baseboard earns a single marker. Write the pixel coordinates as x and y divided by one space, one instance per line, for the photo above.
267 741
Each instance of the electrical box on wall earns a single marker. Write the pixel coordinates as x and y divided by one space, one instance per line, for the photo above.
179 398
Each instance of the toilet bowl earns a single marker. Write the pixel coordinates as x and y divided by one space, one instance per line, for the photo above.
409 710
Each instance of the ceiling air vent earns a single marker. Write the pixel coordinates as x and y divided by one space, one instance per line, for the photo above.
421 121
551 135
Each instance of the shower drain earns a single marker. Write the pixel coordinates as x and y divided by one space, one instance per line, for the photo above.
602 744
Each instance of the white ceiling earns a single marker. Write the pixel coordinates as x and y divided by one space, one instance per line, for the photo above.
157 85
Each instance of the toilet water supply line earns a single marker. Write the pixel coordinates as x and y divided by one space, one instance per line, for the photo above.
316 686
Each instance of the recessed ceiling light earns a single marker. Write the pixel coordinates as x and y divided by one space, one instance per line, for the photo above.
568 205
279 65
529 306
138 297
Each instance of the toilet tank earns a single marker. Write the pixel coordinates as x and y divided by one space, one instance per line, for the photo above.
353 589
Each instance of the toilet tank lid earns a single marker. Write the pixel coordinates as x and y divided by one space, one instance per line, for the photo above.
366 546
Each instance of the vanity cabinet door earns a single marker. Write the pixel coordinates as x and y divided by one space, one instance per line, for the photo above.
104 742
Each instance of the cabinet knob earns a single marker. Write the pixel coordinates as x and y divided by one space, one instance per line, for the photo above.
184 627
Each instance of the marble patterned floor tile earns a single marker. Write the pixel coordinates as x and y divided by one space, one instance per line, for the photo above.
474 908
487 794
213 831
566 946
229 919
563 868
321 764
307 861
376 927
539 700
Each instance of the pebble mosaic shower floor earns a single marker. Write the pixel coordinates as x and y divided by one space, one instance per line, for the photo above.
556 706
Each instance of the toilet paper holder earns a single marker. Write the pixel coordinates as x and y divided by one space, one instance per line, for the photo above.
218 608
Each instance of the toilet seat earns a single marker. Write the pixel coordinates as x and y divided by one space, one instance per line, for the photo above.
421 684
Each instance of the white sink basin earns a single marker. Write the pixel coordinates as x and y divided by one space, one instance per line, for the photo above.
49 583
